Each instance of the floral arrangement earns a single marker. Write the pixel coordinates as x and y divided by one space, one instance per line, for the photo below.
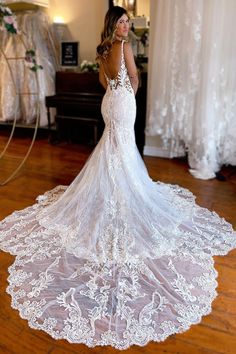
30 60
89 66
8 23
8 20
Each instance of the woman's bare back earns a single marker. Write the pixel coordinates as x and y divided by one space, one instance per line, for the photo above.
113 61
110 66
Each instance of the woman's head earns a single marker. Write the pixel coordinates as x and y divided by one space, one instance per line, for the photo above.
116 24
112 21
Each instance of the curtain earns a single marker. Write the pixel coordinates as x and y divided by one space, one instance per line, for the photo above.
192 81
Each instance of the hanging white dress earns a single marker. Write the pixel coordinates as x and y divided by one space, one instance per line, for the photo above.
19 101
115 258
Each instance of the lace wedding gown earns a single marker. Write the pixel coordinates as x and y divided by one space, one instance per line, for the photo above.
115 258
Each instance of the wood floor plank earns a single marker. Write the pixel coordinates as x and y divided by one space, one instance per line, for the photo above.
226 280
49 166
214 341
221 321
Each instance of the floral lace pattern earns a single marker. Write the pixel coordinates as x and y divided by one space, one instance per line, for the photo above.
192 91
115 258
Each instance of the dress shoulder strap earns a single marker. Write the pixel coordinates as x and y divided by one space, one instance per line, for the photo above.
122 50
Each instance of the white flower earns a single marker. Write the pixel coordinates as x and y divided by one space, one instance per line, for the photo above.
29 64
88 66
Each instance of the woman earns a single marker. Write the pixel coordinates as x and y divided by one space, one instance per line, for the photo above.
114 259
116 29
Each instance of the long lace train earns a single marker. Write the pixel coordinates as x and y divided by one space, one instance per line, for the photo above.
115 258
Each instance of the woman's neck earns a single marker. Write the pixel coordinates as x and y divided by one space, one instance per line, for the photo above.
120 38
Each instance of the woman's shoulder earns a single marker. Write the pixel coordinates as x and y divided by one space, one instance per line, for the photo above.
127 48
126 44
118 43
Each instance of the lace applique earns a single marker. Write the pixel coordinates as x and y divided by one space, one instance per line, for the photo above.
114 259
43 281
182 286
129 305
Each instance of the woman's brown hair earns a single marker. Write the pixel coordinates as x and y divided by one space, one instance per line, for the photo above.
109 29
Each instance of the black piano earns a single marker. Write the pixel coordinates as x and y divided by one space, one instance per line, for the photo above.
78 104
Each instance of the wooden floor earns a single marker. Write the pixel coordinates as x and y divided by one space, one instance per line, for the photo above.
49 166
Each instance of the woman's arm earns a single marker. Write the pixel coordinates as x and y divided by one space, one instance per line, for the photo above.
102 78
131 67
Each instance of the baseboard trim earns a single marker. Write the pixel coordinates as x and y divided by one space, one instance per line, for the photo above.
156 151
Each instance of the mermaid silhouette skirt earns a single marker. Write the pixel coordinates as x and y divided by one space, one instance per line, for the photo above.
115 258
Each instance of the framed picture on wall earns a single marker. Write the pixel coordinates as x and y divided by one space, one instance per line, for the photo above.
69 54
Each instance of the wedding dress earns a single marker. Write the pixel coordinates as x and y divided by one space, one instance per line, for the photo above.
115 258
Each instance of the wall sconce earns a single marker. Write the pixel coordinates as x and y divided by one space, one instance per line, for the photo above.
59 25
129 5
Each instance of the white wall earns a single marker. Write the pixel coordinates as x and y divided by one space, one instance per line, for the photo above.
154 147
84 19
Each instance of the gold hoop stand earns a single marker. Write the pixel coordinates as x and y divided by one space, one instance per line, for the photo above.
8 179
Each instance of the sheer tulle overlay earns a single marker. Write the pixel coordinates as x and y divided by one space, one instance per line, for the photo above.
115 258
